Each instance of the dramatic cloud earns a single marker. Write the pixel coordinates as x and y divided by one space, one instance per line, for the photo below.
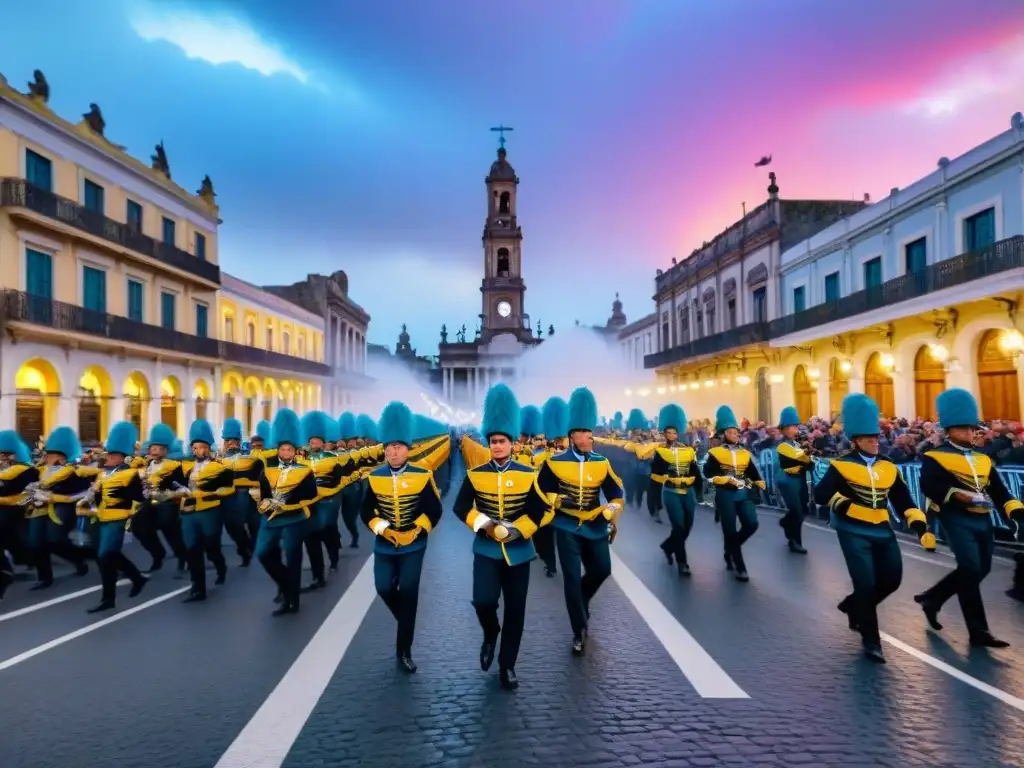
217 39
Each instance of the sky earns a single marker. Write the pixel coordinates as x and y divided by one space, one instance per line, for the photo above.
355 135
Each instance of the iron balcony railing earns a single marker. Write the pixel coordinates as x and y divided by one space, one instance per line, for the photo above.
18 193
19 306
999 257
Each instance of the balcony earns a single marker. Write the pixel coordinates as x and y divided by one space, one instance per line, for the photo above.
245 355
18 193
1000 257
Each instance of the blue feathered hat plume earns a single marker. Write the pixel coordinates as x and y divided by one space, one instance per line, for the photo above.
582 411
314 424
636 420
425 428
175 450
264 430
789 417
501 413
286 428
366 427
957 408
347 426
333 430
672 416
396 424
231 430
11 442
64 440
725 419
160 434
556 418
860 415
531 421
122 438
201 432
616 422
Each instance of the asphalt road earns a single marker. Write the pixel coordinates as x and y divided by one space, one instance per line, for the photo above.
703 671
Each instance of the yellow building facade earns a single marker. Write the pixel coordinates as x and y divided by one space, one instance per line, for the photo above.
902 299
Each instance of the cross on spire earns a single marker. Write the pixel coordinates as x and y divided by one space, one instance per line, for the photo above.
500 130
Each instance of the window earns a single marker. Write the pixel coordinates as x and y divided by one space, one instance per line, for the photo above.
38 170
832 288
229 329
761 305
200 246
270 338
135 307
730 307
201 316
286 343
134 216
980 230
167 301
799 299
39 274
302 346
916 255
250 335
873 273
168 231
94 289
94 196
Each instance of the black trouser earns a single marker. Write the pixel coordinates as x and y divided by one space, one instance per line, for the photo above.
351 496
586 563
279 550
654 497
492 579
732 506
153 519
679 507
544 541
201 532
969 535
47 538
876 570
795 497
397 579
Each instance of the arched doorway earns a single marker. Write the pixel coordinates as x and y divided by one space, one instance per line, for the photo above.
838 384
997 375
95 390
878 383
805 392
268 400
929 381
201 398
232 390
252 396
37 388
170 398
136 393
764 396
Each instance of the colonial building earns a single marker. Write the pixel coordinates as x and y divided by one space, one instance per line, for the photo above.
637 340
902 299
469 365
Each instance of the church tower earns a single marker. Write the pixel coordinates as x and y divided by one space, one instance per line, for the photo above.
503 289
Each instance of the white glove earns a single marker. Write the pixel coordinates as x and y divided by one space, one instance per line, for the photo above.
481 522
379 527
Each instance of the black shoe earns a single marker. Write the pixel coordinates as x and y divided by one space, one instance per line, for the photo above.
854 626
728 562
586 608
669 558
1016 594
158 563
874 653
405 662
41 585
796 549
106 605
333 568
657 519
931 611
354 544
578 645
279 597
195 597
6 579
741 574
81 568
137 587
182 564
986 640
246 561
222 576
508 679
315 585
286 607
549 572
683 569
486 655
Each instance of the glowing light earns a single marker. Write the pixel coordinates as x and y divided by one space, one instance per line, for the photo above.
776 378
629 392
643 392
743 380
672 388
709 383
813 373
888 361
846 366
1011 342
939 352
661 390
725 380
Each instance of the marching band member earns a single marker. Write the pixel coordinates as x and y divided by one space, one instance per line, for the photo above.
532 425
287 493
635 479
500 501
857 488
573 482
965 487
259 444
372 456
351 494
246 468
160 512
114 497
732 470
675 467
794 466
16 475
324 512
555 418
51 510
401 507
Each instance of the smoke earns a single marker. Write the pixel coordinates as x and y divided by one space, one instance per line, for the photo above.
395 380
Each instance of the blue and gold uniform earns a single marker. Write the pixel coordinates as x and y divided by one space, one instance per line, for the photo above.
113 499
324 513
501 502
964 487
634 479
674 466
287 494
16 475
857 489
247 469
160 513
555 418
352 464
401 507
794 467
51 509
573 482
733 472
209 483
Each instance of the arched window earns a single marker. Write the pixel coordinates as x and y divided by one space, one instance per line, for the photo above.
250 334
503 262
229 328
286 343
302 346
504 203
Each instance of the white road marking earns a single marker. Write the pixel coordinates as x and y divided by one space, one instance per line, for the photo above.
87 629
696 664
56 601
268 737
1003 696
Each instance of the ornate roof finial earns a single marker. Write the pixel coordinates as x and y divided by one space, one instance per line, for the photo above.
773 188
159 160
206 192
38 88
94 119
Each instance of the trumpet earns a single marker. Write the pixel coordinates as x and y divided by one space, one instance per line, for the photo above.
36 496
740 483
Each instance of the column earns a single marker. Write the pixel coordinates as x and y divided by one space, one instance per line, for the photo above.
67 412
824 406
8 402
189 402
363 352
215 405
154 399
